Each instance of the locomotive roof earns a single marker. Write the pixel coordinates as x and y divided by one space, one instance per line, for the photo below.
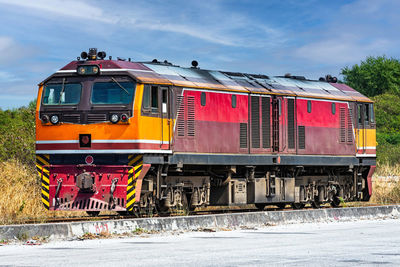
168 74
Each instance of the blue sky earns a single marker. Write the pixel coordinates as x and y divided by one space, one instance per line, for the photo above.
308 37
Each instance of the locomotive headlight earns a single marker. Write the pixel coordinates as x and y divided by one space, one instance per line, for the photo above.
95 70
124 117
45 118
54 119
114 118
88 70
81 70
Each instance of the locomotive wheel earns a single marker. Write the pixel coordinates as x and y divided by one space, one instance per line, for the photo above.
93 213
281 206
335 202
297 206
191 208
316 204
185 205
260 206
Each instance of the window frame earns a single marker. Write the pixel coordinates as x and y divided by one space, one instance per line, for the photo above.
234 101
150 108
371 113
203 99
75 104
366 114
309 106
112 104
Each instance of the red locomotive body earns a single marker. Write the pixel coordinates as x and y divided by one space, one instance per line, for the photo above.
126 135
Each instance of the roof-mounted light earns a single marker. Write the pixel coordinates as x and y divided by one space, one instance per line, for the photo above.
84 55
101 55
93 55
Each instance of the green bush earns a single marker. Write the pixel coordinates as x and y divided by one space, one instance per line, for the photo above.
17 134
374 76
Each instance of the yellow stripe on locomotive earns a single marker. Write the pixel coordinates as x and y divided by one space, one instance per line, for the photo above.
136 161
42 162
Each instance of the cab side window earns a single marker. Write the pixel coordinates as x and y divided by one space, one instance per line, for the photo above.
371 113
150 98
366 114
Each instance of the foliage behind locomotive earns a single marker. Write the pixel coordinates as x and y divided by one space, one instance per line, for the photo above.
121 135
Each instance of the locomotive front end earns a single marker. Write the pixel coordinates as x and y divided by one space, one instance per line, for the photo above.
87 154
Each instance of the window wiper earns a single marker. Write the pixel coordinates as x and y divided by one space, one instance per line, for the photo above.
62 91
114 80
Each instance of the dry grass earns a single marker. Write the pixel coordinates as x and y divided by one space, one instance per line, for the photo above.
386 185
20 199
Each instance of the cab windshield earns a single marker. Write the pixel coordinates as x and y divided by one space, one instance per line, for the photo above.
112 92
62 94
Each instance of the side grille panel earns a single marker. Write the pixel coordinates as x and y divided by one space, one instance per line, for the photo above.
255 122
302 137
342 125
291 134
350 127
190 116
243 135
180 124
266 121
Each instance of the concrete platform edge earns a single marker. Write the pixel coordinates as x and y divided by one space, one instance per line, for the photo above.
191 223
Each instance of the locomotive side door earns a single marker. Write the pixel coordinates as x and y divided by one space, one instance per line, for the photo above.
165 118
365 121
360 136
260 123
277 124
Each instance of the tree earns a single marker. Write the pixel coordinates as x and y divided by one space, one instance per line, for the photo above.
17 134
374 76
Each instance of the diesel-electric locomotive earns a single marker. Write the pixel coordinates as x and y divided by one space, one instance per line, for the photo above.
125 136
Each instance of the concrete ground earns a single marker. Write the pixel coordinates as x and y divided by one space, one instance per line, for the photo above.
320 244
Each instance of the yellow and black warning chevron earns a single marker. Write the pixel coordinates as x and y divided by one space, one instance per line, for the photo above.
136 161
41 162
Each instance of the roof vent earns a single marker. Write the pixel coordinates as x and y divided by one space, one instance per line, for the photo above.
330 79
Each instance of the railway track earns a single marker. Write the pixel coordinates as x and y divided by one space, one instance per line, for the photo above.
206 211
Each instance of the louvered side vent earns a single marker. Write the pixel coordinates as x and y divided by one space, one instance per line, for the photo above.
266 121
255 122
190 116
180 124
72 118
291 136
302 137
93 118
342 125
350 127
243 135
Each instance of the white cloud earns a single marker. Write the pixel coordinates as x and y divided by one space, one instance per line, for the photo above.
340 50
8 77
209 26
10 51
72 8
